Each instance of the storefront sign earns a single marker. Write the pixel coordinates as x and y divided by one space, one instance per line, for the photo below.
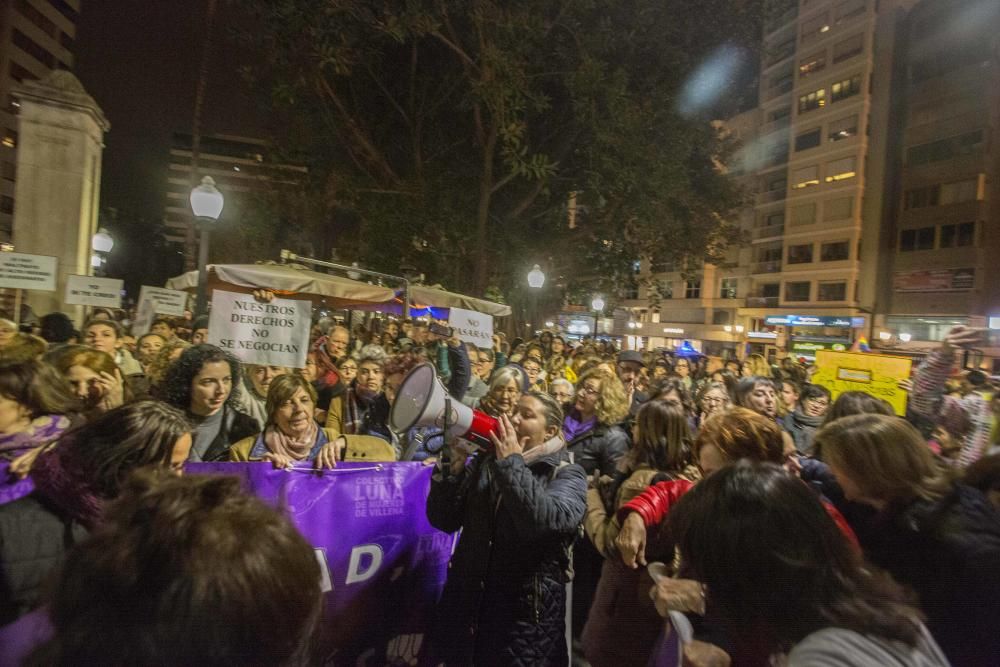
21 271
165 301
938 280
762 335
91 291
269 334
673 331
809 321
873 374
472 327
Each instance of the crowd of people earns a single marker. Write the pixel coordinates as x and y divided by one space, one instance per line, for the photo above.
787 527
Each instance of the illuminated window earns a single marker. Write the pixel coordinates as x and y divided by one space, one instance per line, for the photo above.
812 101
841 170
812 64
845 89
805 177
10 139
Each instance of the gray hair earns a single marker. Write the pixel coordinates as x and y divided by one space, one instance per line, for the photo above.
562 381
372 353
505 375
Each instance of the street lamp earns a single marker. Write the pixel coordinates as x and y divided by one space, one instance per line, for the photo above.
536 278
597 305
101 243
206 204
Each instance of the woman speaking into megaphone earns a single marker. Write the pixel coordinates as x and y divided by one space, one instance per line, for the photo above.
518 506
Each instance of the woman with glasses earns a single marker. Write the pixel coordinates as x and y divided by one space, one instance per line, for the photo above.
713 399
809 413
506 388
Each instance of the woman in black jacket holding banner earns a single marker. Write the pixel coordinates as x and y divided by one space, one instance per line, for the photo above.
519 508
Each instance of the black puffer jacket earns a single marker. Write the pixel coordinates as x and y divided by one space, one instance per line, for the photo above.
948 551
34 539
600 448
505 599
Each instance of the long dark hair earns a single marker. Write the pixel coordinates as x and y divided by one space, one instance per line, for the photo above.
39 388
663 442
186 570
177 383
776 565
107 449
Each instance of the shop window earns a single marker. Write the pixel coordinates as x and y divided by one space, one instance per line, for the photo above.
911 240
848 48
840 208
804 214
832 291
800 254
845 89
692 289
798 291
811 101
807 140
728 288
834 251
958 236
841 170
805 177
812 64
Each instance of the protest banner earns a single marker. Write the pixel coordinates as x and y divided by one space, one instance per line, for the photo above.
382 564
93 291
22 271
472 327
269 334
874 374
165 301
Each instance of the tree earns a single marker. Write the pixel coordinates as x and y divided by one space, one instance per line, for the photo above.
457 130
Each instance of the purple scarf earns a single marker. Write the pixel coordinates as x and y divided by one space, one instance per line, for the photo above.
573 427
41 431
63 484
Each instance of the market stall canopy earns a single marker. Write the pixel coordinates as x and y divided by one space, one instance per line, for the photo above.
433 301
287 280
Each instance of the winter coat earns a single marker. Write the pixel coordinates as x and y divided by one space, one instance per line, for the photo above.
600 448
34 538
948 552
505 599
623 624
802 428
235 427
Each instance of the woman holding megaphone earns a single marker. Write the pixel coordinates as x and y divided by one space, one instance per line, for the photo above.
518 506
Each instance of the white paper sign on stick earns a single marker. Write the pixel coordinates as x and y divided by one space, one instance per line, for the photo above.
143 318
268 334
22 271
93 291
472 327
165 301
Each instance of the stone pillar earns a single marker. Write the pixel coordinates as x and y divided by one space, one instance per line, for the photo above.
61 138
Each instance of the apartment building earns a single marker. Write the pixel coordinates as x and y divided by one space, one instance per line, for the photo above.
240 166
940 238
36 37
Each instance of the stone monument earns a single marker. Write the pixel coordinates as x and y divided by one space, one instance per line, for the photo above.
61 138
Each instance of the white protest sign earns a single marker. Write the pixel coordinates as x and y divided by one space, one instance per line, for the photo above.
91 291
143 318
472 327
165 301
269 334
21 271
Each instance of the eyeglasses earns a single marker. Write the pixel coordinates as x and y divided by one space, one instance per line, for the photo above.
714 400
590 391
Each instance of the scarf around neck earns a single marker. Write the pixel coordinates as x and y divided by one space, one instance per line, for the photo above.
295 448
40 431
573 427
551 446
60 482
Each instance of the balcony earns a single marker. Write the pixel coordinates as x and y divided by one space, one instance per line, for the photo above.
763 301
773 266
770 231
771 196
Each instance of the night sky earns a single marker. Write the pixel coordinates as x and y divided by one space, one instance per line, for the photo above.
139 61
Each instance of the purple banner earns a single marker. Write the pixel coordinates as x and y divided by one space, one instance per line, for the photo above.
383 564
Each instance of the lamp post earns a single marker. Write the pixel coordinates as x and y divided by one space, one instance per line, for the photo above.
101 243
206 204
597 305
535 281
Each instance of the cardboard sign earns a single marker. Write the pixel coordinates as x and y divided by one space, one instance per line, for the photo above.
472 327
21 271
874 374
268 334
165 301
144 317
92 291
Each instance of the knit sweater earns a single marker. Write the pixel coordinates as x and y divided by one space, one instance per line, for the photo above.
969 418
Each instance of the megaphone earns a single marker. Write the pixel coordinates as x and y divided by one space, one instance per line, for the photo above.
422 400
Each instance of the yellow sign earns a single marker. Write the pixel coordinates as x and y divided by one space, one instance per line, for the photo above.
874 374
